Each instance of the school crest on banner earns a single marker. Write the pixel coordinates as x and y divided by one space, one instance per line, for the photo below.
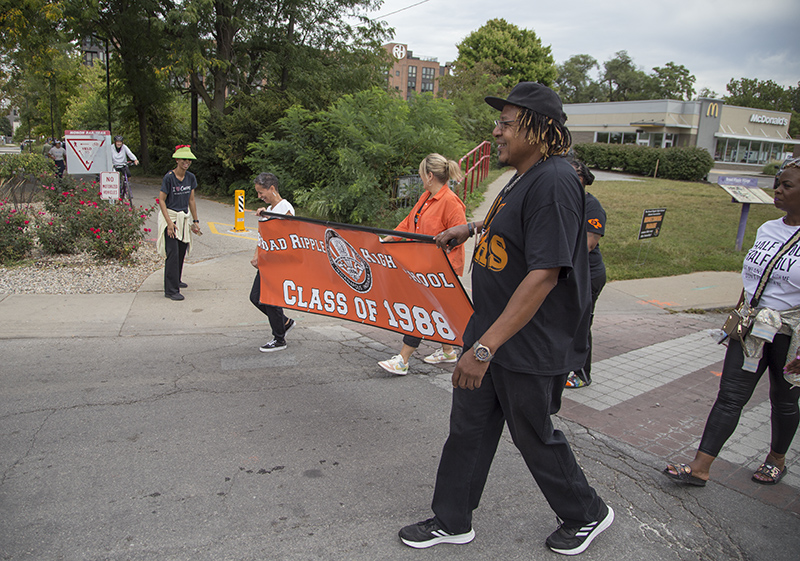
335 270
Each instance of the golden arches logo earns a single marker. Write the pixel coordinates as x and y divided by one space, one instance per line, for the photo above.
712 110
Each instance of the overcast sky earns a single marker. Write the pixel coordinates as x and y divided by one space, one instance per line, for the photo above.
715 39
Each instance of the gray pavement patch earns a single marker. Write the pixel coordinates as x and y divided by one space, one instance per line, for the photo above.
278 359
634 373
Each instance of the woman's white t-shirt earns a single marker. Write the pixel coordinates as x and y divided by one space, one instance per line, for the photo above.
283 207
783 288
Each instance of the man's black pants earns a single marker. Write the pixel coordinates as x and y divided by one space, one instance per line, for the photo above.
477 416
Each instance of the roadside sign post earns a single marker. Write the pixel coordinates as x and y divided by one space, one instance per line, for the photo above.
109 185
743 190
652 219
88 152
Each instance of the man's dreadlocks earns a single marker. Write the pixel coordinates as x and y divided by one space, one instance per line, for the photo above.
553 137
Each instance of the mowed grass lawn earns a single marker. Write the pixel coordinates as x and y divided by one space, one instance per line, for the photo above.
698 233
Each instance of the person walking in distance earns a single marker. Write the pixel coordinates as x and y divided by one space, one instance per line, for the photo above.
595 229
58 154
529 330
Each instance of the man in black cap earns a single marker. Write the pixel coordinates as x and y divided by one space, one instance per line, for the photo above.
532 300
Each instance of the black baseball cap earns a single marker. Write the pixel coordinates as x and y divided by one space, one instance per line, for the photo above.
534 96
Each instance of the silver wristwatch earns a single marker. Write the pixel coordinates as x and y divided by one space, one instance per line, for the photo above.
482 353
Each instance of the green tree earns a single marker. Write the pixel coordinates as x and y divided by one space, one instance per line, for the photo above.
466 91
759 94
574 84
242 46
5 126
341 163
624 81
41 66
673 81
769 95
136 30
89 110
517 53
706 92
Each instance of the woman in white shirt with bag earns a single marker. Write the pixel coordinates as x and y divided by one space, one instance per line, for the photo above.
772 344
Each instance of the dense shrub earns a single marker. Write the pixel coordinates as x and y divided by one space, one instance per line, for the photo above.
220 155
341 163
16 239
21 175
54 237
79 220
771 168
687 163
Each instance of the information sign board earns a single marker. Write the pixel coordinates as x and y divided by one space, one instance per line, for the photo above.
88 152
109 185
652 219
744 189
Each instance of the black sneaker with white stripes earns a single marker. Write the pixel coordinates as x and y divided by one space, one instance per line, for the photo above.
428 532
572 540
273 345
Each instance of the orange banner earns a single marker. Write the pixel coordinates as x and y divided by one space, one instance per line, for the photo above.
408 287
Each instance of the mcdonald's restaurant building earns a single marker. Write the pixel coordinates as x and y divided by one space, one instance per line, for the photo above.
738 137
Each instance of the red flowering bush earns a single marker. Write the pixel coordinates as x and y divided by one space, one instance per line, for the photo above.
78 219
16 238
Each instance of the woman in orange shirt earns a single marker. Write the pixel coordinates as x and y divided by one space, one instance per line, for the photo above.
437 209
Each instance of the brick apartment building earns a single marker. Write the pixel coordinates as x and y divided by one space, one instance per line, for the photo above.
413 74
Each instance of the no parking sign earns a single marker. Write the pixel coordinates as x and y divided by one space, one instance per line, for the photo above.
109 185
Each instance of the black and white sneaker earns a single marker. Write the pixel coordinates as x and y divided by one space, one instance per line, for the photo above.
287 327
273 345
428 532
572 540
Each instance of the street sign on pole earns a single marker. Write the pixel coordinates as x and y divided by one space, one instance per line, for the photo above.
88 152
743 190
652 219
109 185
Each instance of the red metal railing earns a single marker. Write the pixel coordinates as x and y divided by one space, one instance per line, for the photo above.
477 165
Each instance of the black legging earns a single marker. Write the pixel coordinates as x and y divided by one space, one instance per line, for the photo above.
736 387
275 315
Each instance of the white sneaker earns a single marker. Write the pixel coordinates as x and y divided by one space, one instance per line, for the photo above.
395 365
440 356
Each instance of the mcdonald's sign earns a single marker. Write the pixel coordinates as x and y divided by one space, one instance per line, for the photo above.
712 110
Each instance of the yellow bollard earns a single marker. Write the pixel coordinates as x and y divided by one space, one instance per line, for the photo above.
239 213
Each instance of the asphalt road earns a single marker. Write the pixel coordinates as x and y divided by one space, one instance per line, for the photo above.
137 428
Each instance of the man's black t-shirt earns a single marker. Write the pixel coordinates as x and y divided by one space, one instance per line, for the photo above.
596 223
538 224
178 192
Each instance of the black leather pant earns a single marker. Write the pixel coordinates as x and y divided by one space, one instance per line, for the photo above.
736 387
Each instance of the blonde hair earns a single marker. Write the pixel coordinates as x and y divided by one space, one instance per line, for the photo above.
442 169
